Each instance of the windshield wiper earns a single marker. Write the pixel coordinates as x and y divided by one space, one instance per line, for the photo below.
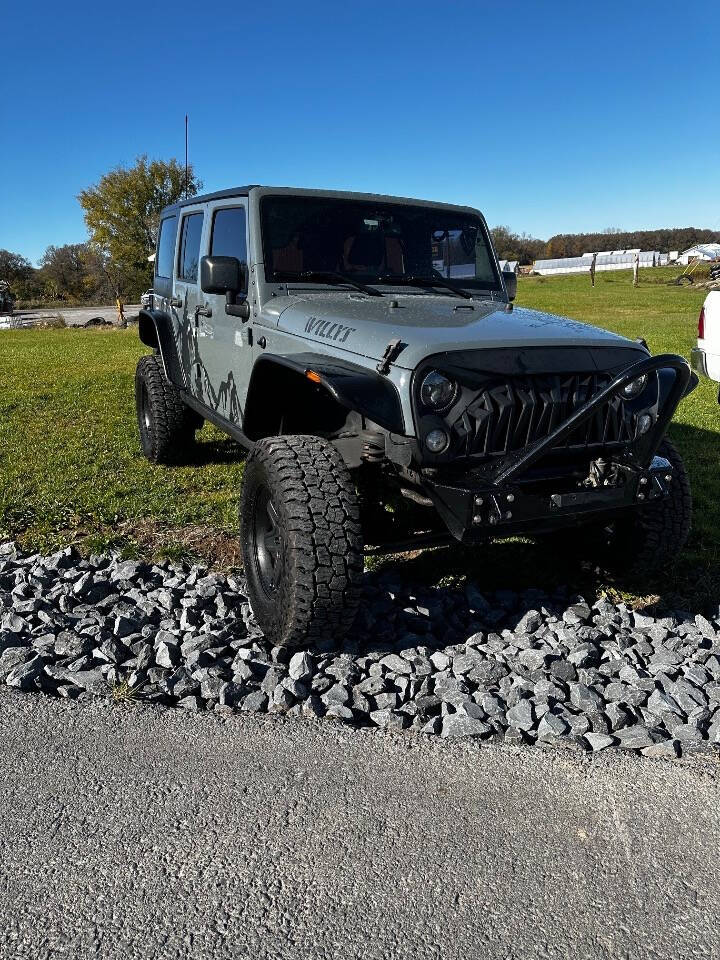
435 281
333 276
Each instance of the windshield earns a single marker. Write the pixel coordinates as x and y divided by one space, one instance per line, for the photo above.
374 243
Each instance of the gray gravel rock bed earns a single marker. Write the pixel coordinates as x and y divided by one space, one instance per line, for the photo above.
527 667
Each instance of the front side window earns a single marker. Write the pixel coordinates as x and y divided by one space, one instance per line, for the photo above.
374 243
190 247
166 247
229 238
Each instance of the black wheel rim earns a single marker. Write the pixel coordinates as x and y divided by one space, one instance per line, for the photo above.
145 416
267 540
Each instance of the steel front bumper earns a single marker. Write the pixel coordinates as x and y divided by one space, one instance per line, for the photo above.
500 500
471 513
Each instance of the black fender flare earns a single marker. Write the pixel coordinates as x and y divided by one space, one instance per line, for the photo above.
352 386
155 329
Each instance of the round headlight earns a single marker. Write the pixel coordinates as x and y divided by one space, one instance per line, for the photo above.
437 391
635 387
437 441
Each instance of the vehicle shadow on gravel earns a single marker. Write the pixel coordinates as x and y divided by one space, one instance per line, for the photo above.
408 604
517 576
399 610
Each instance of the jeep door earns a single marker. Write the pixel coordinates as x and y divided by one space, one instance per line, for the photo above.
187 297
225 344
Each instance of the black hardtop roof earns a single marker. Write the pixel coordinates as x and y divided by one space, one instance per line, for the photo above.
204 197
303 191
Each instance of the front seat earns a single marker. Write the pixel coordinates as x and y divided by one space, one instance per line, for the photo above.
364 253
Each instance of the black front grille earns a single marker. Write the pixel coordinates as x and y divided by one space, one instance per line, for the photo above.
507 415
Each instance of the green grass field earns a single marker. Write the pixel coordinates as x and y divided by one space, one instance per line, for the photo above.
71 470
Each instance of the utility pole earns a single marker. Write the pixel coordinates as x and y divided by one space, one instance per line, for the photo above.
186 156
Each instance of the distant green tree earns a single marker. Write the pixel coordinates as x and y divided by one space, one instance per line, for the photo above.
18 272
75 272
516 246
63 272
122 212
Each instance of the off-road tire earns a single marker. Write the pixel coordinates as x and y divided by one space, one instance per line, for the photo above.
167 427
299 497
655 534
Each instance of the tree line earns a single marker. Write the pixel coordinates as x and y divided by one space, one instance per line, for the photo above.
526 249
677 238
72 273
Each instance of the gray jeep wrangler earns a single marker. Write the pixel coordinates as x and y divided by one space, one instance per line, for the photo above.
366 351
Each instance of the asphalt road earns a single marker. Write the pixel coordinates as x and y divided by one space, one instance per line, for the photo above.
128 831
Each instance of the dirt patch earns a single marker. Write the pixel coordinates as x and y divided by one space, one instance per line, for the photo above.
217 549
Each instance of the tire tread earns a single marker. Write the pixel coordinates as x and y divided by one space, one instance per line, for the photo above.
174 424
322 526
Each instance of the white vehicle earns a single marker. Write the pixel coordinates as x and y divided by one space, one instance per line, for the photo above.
706 356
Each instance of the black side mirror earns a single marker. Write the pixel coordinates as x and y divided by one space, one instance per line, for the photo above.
223 275
510 279
229 276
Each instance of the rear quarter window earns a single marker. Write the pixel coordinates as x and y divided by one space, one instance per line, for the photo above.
166 247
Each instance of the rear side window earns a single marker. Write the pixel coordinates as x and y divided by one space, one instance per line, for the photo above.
166 247
190 247
228 234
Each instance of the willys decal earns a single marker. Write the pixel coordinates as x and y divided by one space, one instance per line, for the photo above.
328 329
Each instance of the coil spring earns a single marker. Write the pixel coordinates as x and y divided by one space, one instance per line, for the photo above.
373 449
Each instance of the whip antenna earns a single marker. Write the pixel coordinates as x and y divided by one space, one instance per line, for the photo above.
186 156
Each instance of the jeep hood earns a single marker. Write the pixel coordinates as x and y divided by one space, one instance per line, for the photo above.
364 326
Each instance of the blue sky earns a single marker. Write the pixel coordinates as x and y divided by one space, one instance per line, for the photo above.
550 117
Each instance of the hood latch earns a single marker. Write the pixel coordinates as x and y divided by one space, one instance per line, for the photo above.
392 352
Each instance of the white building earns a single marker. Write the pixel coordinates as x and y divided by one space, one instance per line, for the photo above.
547 268
608 260
701 251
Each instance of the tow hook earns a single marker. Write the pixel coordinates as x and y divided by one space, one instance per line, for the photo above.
655 483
